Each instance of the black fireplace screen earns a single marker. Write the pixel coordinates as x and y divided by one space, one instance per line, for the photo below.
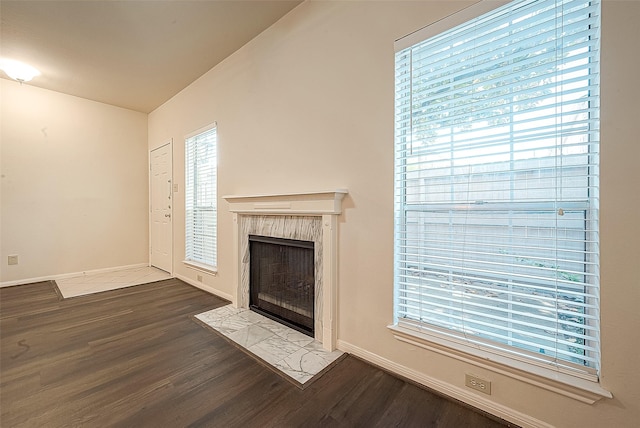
281 280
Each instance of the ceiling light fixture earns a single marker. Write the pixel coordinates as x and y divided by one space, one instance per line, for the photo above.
18 70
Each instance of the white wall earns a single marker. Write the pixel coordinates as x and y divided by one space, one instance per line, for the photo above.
308 105
74 184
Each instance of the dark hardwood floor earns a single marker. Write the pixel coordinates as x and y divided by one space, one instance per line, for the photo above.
135 358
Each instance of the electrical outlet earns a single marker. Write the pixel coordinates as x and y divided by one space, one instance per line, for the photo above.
13 259
477 383
199 278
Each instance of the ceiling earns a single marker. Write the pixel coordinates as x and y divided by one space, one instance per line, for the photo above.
135 54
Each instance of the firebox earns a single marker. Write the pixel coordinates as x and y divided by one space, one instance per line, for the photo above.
282 281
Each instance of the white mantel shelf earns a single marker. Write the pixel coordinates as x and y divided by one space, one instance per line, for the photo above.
309 203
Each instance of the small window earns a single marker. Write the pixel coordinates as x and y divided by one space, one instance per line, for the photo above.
496 178
201 198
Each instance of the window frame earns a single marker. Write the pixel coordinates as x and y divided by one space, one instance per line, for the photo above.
191 192
575 385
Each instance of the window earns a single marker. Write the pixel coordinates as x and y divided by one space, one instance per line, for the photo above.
496 186
201 198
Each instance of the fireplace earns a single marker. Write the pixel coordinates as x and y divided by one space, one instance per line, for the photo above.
282 281
297 216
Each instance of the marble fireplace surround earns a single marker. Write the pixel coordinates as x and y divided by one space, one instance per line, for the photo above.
311 216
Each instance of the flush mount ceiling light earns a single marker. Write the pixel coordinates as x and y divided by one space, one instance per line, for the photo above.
18 70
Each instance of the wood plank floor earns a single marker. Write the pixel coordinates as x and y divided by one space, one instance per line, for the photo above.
135 358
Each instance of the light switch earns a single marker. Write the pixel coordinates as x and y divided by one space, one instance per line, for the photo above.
175 187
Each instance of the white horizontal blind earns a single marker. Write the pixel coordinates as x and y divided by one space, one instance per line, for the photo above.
201 197
496 184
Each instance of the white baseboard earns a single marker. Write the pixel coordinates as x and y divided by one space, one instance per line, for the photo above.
447 389
69 275
203 287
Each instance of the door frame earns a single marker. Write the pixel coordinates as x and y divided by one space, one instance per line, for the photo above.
171 235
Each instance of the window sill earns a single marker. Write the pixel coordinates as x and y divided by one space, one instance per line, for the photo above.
212 270
570 386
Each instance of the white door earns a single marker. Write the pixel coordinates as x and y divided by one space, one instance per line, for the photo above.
161 203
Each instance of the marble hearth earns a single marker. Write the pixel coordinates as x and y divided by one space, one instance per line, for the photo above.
304 216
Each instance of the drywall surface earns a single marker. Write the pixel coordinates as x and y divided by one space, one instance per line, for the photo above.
74 184
309 105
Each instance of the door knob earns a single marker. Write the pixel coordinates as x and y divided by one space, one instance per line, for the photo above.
167 215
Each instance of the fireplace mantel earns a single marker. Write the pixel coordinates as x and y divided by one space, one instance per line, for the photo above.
279 212
309 203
